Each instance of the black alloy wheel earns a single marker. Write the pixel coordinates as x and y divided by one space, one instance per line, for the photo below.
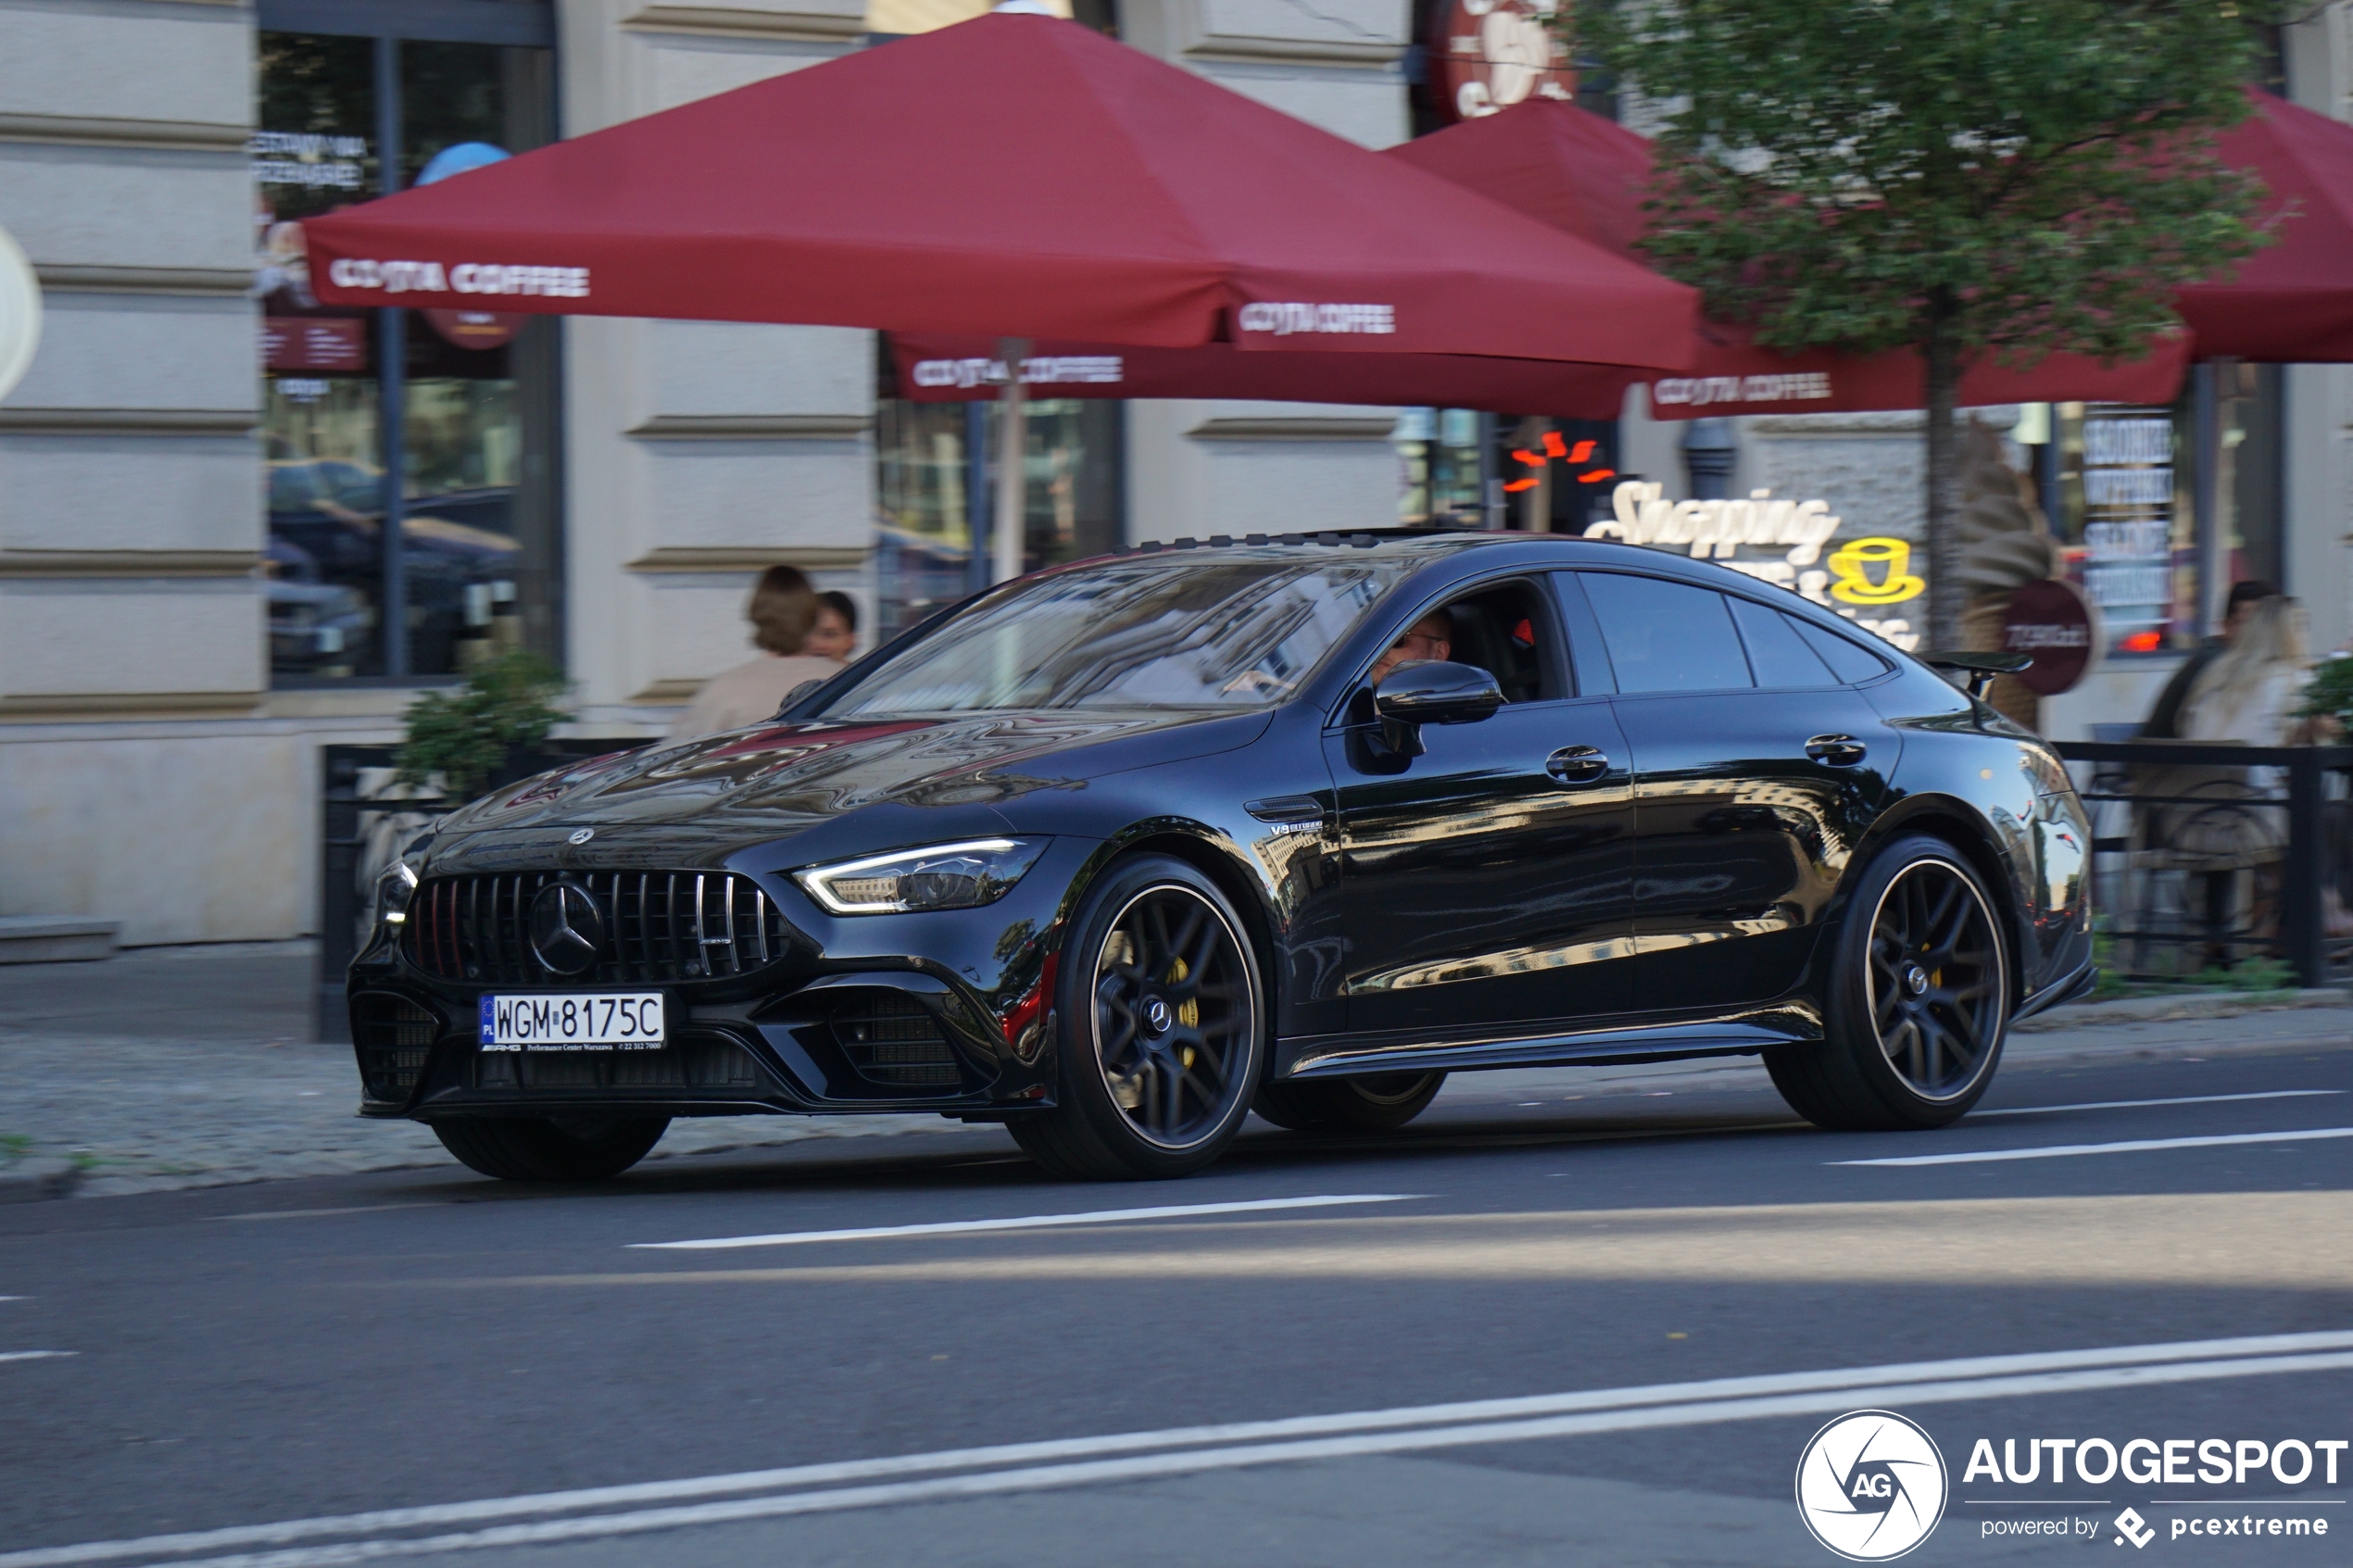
536 1149
1377 1102
1161 1028
1919 999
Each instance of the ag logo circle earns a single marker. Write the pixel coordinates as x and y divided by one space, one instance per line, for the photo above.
1870 1486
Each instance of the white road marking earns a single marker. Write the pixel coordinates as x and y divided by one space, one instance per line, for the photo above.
1194 1461
2137 1104
2135 1146
1421 1425
33 1355
1027 1222
321 1213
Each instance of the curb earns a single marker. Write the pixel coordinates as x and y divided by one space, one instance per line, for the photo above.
31 1181
2151 1010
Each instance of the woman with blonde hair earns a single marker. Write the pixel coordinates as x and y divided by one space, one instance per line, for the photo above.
2251 692
782 610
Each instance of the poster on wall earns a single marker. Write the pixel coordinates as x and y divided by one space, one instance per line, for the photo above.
2127 559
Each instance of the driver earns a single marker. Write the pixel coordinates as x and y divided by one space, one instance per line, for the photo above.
1430 637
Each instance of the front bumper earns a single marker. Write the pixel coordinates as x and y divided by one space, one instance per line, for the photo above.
870 1040
947 1012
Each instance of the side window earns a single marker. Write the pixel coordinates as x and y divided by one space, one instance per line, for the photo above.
1506 630
1666 636
1849 661
1776 652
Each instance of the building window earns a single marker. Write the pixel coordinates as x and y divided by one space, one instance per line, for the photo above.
2158 510
462 558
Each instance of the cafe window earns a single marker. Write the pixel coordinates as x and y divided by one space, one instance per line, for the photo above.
458 557
2158 510
936 484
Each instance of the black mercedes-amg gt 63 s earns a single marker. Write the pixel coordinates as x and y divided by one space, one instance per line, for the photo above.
1117 853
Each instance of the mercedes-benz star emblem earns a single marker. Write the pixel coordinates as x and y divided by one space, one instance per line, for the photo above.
584 836
567 928
1156 1016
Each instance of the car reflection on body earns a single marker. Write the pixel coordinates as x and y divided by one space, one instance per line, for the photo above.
1119 851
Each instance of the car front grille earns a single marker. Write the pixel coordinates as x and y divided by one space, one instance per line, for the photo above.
891 1039
394 1036
658 926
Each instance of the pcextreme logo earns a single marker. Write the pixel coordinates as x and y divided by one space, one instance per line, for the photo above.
1870 1486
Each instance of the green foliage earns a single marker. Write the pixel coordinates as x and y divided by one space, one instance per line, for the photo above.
2020 175
2331 694
2247 974
506 704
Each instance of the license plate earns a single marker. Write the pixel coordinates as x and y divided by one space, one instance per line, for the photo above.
577 1021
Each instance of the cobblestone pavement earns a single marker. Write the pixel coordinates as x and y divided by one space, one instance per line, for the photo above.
219 1094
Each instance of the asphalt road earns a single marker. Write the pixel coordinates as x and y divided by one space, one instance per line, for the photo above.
1599 1259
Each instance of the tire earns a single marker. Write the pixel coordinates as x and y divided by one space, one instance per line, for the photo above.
1918 999
1378 1102
1161 1022
532 1148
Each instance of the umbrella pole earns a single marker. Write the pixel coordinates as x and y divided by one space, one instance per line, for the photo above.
1012 444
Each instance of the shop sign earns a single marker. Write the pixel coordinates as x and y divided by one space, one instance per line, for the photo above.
314 343
474 328
1489 54
2059 627
312 162
1860 575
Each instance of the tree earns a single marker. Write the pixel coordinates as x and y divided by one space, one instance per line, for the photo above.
1960 177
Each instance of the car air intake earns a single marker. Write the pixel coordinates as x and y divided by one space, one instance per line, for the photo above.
394 1036
664 926
890 1039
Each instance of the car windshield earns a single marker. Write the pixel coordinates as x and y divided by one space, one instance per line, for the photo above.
1159 632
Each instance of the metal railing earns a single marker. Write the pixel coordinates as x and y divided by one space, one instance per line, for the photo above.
365 819
2206 855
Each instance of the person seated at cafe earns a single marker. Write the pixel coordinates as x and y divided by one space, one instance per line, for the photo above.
782 611
834 636
1430 637
2164 722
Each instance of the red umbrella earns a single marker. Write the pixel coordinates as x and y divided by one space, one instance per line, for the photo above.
1585 176
2291 303
1013 175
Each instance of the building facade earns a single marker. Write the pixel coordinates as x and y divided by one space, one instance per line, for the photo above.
194 592
195 589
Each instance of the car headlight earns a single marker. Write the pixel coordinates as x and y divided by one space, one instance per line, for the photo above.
940 876
394 889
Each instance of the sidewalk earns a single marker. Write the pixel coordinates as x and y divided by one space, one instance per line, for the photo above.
192 1067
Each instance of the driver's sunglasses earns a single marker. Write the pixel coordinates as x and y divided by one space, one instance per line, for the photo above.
1419 641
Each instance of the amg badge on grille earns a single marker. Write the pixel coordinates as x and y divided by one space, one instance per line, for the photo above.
567 927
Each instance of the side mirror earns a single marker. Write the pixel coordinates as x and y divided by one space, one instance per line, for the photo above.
1429 691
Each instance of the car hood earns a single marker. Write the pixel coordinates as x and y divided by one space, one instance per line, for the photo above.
776 780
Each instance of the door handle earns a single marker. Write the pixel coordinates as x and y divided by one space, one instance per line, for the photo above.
1577 764
1839 751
